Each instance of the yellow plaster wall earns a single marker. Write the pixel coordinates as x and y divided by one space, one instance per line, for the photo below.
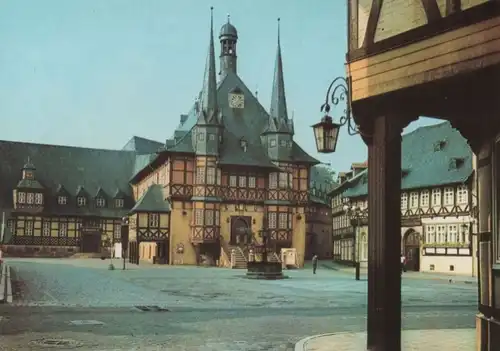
147 251
257 215
299 235
180 233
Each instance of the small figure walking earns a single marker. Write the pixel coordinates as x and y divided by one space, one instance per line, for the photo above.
315 263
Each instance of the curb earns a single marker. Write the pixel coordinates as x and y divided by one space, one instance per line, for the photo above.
301 344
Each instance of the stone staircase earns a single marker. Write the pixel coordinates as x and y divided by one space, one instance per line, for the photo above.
241 260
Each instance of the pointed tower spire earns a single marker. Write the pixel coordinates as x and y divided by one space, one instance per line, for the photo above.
278 110
209 107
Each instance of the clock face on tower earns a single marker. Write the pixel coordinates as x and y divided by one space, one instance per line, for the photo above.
236 100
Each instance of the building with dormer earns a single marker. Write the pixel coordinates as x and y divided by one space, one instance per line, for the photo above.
230 174
438 202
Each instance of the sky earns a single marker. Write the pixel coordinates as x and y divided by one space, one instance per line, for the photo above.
94 73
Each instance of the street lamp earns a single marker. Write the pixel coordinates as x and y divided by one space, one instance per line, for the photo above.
326 132
355 214
124 237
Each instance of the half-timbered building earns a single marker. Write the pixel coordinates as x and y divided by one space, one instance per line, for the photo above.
230 175
437 205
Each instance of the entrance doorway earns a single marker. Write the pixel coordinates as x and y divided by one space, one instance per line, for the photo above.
91 242
411 241
162 252
240 230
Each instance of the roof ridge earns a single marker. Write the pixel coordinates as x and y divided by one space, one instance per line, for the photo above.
62 146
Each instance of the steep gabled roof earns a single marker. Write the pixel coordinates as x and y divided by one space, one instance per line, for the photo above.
152 201
142 145
424 163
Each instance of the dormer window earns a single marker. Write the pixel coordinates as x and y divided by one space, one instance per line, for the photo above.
439 145
62 200
81 201
100 202
283 143
119 203
243 145
21 197
272 142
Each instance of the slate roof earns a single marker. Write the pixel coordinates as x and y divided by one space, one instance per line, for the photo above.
142 145
152 201
321 184
68 170
429 158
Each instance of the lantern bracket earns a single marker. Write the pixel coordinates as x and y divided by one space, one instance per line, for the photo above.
340 93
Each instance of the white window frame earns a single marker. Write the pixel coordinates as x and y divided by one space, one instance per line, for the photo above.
219 176
283 220
81 201
414 199
100 202
284 180
272 220
30 198
449 199
119 203
436 197
62 200
46 228
273 180
21 197
200 175
209 217
441 234
453 234
404 201
424 198
39 199
233 181
462 194
211 175
242 181
63 229
153 220
251 182
430 234
117 231
28 228
198 216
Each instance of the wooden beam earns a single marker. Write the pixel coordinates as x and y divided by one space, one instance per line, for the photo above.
371 25
431 9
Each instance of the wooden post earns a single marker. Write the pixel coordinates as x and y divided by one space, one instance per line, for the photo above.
384 228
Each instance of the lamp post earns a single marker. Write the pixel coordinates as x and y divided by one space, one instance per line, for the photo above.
355 215
124 237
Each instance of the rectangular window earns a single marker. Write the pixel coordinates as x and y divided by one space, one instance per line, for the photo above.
209 217
233 181
272 220
117 231
46 228
210 175
219 176
63 229
38 199
154 220
452 233
119 203
404 201
251 182
462 194
200 175
62 200
283 180
211 136
283 221
242 181
441 234
30 198
273 180
100 202
81 201
424 198
436 197
201 137
448 197
28 228
414 200
198 217
21 197
430 236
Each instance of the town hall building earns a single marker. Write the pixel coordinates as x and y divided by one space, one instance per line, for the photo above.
230 175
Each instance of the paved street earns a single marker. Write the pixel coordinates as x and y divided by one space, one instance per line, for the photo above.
206 309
